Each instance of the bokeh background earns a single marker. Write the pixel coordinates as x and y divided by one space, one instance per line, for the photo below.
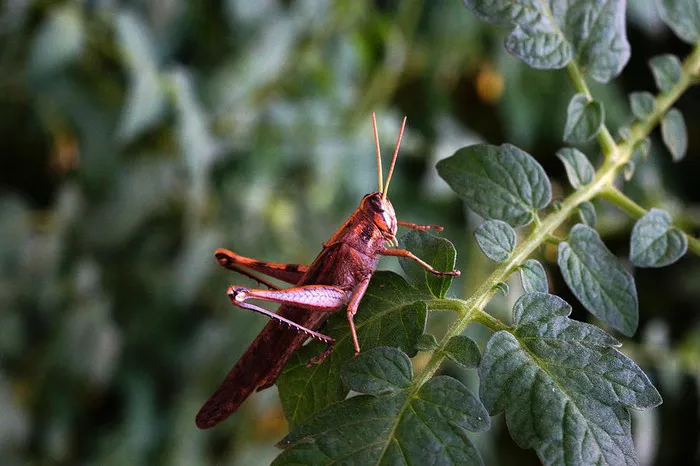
138 136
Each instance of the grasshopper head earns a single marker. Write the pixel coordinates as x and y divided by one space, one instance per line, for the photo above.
376 205
380 210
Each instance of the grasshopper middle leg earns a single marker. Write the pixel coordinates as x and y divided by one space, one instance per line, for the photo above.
415 226
422 263
352 310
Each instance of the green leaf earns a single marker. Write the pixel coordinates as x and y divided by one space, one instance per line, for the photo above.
392 313
592 32
584 119
379 370
59 41
438 252
655 242
683 17
578 169
642 104
597 279
565 389
393 426
463 351
498 182
667 71
426 342
587 214
674 134
533 276
496 239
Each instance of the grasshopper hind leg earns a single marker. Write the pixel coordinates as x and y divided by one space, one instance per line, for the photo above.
292 325
319 297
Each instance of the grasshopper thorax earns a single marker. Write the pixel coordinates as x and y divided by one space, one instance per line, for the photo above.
380 210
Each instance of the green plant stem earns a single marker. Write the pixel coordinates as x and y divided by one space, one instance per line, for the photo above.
487 320
616 156
663 102
617 197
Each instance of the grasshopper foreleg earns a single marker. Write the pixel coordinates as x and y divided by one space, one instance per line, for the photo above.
415 226
352 310
410 255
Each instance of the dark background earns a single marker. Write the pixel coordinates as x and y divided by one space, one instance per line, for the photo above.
138 136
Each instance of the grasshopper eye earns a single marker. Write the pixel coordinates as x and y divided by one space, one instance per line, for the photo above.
376 204
372 204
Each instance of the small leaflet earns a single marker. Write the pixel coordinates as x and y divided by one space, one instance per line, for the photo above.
655 242
674 134
426 343
598 280
496 239
533 277
578 168
584 118
463 351
666 70
438 252
587 214
642 104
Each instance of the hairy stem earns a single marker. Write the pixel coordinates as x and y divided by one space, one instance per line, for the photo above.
617 197
616 156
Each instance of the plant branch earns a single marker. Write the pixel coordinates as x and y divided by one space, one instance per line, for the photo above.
663 102
616 156
617 197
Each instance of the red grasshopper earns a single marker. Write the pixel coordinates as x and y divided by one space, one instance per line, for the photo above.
337 278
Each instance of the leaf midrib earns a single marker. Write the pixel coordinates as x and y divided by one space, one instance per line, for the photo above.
569 399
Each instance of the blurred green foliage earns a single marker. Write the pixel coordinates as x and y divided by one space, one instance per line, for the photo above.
139 136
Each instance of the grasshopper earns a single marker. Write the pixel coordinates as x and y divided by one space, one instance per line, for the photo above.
337 278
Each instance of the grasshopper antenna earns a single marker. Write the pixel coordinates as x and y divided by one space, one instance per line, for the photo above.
393 159
380 177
